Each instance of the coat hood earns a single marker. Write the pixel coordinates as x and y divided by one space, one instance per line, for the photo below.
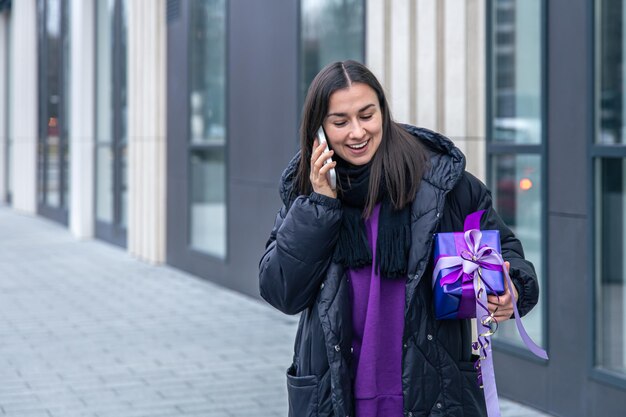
447 163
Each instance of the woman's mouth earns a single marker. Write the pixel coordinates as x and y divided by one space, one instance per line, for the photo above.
359 147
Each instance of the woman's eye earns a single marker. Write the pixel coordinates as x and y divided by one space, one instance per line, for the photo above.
339 124
366 117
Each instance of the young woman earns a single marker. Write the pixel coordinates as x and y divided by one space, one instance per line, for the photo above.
356 260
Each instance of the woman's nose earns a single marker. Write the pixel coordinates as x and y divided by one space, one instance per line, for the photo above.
357 131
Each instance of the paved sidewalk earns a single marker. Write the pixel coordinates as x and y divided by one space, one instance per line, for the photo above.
86 330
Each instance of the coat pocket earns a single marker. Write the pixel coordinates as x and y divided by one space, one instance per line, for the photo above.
303 394
473 395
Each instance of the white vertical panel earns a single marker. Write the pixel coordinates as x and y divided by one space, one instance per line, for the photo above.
3 103
147 42
161 126
476 87
398 86
23 61
375 37
81 132
133 108
455 64
426 63
149 132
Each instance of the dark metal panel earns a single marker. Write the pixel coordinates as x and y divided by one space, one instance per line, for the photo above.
177 134
605 400
569 43
569 342
249 232
263 108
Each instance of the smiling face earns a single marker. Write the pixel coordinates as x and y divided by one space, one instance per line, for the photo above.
354 123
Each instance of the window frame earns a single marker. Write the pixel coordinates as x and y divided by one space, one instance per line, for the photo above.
59 214
112 232
493 148
597 152
191 147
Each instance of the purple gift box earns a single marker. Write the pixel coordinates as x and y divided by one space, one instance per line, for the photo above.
453 288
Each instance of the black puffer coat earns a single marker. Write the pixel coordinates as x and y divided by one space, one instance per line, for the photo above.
297 275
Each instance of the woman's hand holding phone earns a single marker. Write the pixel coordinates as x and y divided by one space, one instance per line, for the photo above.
319 179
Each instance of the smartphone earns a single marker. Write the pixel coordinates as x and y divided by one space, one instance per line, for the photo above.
331 175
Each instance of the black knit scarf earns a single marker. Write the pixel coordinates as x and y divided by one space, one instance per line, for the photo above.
394 227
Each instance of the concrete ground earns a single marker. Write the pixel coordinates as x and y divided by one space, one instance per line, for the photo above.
86 330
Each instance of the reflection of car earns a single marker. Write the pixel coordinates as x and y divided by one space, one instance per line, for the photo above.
517 130
610 116
516 180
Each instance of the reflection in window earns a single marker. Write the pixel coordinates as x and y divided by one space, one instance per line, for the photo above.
611 73
9 116
516 97
111 113
331 31
53 103
517 197
517 71
104 110
610 267
610 190
207 126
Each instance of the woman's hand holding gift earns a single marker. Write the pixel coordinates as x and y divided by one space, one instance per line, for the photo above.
502 306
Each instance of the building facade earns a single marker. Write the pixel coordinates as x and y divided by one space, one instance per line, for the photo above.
162 126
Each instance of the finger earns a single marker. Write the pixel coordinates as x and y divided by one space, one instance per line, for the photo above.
505 313
321 160
507 264
327 167
499 311
499 300
317 151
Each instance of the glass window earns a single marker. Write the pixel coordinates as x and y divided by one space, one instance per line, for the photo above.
9 113
332 30
611 74
610 189
207 126
517 198
54 85
610 268
111 116
53 102
104 110
515 137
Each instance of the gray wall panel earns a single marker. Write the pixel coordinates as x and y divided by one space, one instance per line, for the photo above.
568 100
569 308
605 400
263 74
249 232
262 126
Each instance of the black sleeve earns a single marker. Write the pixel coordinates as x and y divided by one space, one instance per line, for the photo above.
299 251
522 271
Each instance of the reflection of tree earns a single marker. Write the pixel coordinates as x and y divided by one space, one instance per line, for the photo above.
611 68
504 56
207 74
332 30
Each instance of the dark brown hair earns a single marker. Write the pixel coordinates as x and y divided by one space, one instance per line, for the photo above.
400 156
